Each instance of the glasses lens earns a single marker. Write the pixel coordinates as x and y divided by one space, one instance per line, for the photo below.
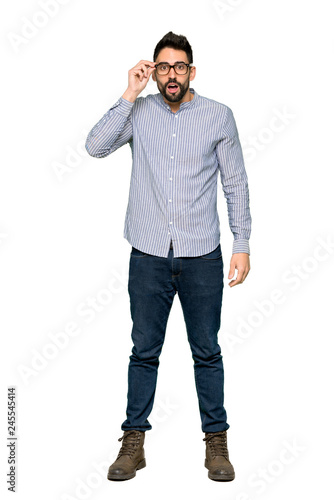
163 69
181 69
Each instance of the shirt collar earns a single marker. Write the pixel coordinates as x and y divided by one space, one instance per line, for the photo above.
183 105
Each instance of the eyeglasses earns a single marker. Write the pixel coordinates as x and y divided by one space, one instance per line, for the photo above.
180 68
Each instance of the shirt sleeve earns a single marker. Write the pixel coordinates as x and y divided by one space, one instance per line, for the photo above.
235 183
112 131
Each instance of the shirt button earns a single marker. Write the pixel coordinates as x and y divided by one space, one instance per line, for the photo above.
171 223
171 178
174 135
170 201
172 157
176 116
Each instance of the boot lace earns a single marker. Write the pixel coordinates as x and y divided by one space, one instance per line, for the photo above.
130 443
217 442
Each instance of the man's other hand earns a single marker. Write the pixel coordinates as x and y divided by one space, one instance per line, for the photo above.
239 262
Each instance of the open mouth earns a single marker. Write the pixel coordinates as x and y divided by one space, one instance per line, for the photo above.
172 88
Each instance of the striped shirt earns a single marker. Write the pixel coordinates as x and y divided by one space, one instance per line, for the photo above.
176 160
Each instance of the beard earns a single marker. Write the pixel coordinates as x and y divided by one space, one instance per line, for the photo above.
179 94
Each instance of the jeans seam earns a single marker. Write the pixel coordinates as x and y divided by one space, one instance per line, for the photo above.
178 274
203 257
216 258
198 393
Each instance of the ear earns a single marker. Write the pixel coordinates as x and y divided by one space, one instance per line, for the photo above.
153 76
192 73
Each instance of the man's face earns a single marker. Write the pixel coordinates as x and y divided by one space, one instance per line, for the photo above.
165 82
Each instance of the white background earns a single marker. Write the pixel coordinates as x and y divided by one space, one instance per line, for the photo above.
61 244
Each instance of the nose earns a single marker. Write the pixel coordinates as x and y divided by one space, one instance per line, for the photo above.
172 73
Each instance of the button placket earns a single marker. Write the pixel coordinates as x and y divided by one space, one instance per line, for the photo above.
170 194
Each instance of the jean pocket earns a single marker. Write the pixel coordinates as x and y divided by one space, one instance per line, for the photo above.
214 255
138 253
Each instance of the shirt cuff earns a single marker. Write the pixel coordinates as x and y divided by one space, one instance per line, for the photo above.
241 246
123 106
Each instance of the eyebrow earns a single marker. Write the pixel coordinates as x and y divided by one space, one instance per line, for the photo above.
176 62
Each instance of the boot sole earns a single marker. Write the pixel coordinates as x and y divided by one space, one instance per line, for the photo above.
226 477
118 477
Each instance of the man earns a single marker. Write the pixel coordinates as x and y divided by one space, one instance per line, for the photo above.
180 141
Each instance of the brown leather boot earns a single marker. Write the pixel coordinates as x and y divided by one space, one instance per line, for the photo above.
131 456
217 459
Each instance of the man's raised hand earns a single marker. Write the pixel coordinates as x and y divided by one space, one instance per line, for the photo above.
138 78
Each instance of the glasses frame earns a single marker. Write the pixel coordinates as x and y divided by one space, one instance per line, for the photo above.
173 66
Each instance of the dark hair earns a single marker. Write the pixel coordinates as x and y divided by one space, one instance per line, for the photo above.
172 41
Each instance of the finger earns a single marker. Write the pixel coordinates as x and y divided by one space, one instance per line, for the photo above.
148 70
240 278
137 71
144 66
138 74
147 73
141 71
235 282
232 269
148 63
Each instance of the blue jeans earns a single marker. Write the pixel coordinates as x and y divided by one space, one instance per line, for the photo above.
153 282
